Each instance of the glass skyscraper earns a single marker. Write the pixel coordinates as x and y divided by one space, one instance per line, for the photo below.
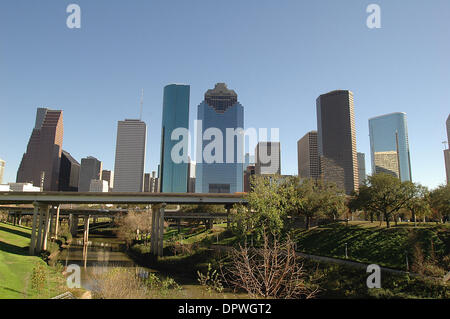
220 110
389 145
174 176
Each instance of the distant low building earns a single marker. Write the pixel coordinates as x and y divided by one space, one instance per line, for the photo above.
109 177
4 188
98 186
249 172
150 183
91 168
23 187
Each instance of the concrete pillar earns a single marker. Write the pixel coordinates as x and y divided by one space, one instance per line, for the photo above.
46 227
40 228
228 207
154 236
33 228
73 224
86 230
161 230
57 221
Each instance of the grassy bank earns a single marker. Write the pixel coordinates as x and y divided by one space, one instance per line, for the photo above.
17 267
367 242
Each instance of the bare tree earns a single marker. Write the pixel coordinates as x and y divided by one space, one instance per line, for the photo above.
134 226
271 271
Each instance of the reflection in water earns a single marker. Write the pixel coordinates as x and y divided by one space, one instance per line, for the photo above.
100 255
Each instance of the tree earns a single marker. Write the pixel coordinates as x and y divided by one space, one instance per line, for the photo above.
418 203
271 271
384 194
267 208
440 202
134 226
311 198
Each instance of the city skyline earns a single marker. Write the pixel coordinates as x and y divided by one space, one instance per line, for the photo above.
278 75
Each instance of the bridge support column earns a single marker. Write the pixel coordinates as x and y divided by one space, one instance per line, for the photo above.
228 207
33 228
46 227
86 230
161 230
153 238
40 228
57 222
73 224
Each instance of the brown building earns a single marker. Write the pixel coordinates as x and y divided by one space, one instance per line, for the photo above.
336 139
248 173
43 155
308 157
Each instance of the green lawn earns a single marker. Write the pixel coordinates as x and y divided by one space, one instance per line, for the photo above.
16 266
369 243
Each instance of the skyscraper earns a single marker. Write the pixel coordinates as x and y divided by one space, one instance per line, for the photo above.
308 156
389 145
130 156
2 170
336 139
43 155
91 168
447 151
448 130
69 173
174 176
108 176
215 171
361 167
268 158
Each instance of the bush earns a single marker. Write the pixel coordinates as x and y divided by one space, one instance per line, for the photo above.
39 277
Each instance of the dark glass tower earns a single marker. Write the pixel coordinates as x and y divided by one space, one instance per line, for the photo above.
68 173
336 138
174 176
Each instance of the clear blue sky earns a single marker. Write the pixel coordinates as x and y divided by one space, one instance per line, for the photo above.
277 55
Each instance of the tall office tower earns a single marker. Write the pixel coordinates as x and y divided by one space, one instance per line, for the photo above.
308 156
2 170
108 176
220 165
447 151
147 182
130 156
361 167
268 158
43 155
91 168
389 145
448 130
447 164
336 139
191 177
174 177
69 173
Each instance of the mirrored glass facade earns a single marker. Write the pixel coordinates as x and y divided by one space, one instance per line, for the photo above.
389 145
220 110
174 176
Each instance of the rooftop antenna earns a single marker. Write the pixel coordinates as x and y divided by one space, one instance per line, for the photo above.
142 104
